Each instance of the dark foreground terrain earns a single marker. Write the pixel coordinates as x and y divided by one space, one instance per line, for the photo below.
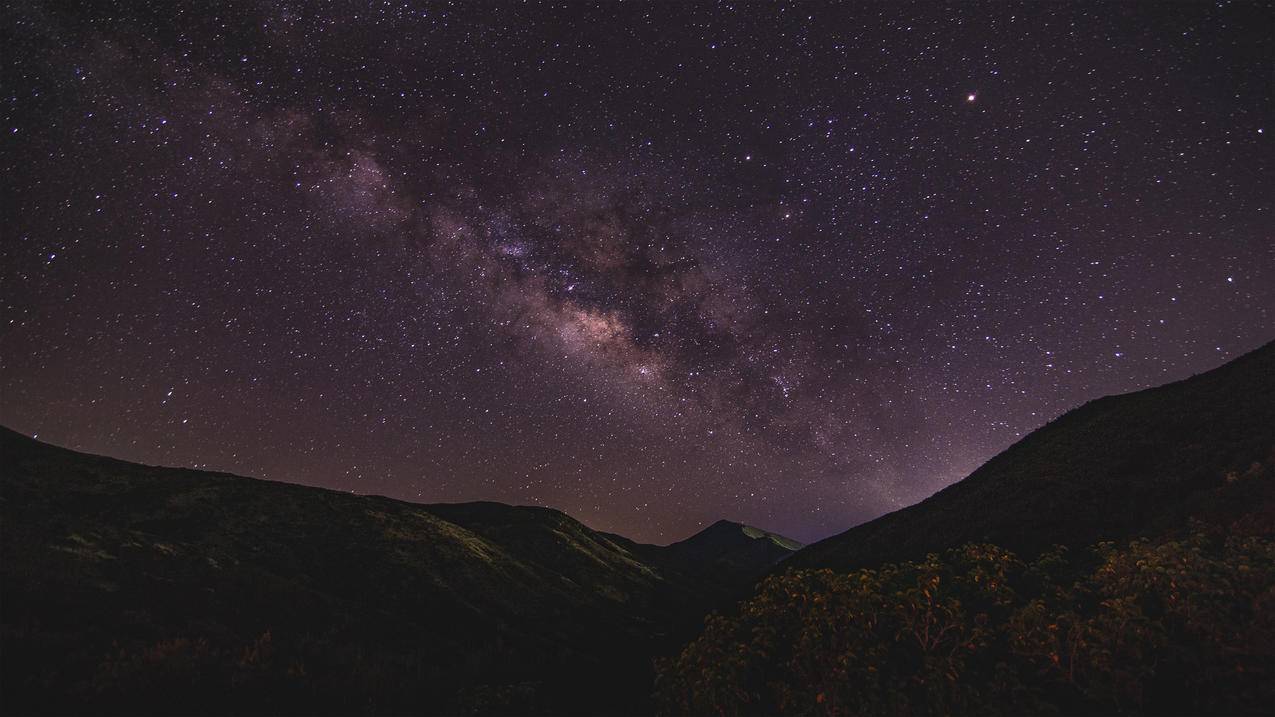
132 589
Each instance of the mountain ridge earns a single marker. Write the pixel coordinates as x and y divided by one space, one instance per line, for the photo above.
141 588
1115 467
109 566
736 552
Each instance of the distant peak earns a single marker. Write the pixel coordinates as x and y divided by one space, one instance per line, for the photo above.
724 528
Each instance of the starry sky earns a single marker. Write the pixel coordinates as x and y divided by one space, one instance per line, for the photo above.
796 265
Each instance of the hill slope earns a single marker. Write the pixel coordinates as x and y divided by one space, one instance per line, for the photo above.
128 588
1135 464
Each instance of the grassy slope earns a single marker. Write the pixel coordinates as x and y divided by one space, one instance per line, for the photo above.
383 605
1140 463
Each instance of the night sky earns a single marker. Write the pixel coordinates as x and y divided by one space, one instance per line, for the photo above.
794 265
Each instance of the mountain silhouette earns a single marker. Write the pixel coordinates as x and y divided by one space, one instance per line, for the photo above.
134 588
1135 464
732 548
137 589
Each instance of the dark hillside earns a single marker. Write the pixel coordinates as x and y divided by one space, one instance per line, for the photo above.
1120 466
129 588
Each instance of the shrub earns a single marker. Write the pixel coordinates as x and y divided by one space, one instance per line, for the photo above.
1175 625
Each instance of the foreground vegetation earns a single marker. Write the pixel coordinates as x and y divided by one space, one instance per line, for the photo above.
1176 626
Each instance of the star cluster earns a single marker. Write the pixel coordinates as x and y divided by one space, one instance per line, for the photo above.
653 264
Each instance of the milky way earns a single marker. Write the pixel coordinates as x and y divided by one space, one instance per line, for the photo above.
654 265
